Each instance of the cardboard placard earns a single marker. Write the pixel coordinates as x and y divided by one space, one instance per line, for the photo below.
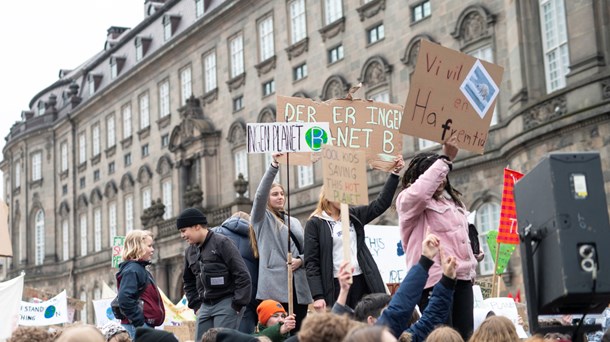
287 136
357 124
344 172
451 93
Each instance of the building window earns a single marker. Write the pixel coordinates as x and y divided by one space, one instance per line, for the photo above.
146 198
268 88
91 84
111 168
127 159
209 64
164 140
166 193
37 166
128 213
83 312
236 47
96 175
65 238
335 54
110 132
41 108
420 11
299 72
555 43
17 177
383 96
39 224
487 219
265 36
199 8
241 164
126 111
82 182
144 111
114 68
333 11
64 189
145 150
82 149
485 53
185 84
305 175
298 22
167 28
139 50
164 104
83 234
112 221
238 103
375 34
95 137
64 156
97 229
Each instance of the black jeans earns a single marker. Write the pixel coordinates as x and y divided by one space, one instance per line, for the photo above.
461 312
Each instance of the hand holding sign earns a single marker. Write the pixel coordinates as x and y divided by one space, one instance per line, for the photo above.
450 148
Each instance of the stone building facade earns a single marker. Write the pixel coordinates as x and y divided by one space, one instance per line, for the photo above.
157 121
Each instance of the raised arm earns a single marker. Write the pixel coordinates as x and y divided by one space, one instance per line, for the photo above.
367 213
262 195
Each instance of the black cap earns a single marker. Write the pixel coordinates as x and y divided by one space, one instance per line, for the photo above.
190 217
154 335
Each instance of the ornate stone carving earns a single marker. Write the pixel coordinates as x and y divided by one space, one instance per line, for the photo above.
409 58
606 88
265 66
144 175
375 72
474 23
334 87
236 82
544 112
153 215
82 202
237 133
297 48
96 196
210 96
267 114
127 182
332 29
370 9
164 166
193 126
193 197
111 190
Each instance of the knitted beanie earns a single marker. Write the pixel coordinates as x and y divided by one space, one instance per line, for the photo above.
190 217
154 335
111 328
268 308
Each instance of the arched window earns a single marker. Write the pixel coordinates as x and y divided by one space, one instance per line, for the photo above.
39 233
487 219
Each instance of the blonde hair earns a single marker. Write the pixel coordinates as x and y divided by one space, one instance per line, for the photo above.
324 205
495 328
444 334
135 244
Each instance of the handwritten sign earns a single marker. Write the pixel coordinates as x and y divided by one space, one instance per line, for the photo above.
503 306
357 124
386 248
52 311
344 173
287 137
117 250
451 93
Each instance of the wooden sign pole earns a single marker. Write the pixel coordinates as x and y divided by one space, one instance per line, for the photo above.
347 247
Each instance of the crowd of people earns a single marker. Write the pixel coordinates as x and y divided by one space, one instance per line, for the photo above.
236 276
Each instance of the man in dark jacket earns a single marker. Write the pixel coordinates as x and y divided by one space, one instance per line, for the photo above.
216 280
237 228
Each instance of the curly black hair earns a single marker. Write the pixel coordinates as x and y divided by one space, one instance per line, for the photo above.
418 165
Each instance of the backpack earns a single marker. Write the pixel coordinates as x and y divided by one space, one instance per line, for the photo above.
116 309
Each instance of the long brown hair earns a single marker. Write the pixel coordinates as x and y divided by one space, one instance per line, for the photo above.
324 205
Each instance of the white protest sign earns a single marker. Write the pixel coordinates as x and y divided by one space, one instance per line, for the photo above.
10 298
103 311
386 248
52 311
504 306
287 136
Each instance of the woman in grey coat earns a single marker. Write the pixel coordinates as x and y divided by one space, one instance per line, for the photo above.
270 226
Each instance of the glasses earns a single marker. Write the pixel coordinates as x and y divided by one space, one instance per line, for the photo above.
279 315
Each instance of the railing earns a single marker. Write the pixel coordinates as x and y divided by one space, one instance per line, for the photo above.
30 124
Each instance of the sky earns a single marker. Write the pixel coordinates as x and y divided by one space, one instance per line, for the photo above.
40 37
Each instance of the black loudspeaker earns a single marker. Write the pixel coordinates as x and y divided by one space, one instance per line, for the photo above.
565 235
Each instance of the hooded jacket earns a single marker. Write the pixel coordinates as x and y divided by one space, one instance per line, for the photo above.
139 298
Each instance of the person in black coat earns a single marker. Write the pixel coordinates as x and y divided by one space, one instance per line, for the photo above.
238 228
324 247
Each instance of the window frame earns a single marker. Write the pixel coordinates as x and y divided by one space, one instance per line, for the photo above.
298 21
236 53
266 38
39 229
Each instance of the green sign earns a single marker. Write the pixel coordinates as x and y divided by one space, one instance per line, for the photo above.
117 250
506 250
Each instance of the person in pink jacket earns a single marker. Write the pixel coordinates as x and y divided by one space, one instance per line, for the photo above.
428 204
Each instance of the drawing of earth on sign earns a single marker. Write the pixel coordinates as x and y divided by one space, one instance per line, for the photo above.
479 88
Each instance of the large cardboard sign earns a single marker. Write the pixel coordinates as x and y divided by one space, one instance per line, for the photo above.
287 136
357 124
451 93
344 172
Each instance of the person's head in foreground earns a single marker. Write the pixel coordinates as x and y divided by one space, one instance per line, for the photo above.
114 332
326 327
497 329
154 335
444 334
371 333
193 226
81 333
270 313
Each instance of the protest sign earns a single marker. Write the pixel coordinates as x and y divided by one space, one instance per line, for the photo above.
287 136
117 250
10 300
357 124
507 231
451 93
344 174
500 252
103 311
386 248
503 306
52 311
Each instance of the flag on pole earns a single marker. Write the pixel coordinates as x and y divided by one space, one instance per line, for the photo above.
10 300
507 232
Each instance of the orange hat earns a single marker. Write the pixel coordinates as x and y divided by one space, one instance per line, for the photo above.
268 308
